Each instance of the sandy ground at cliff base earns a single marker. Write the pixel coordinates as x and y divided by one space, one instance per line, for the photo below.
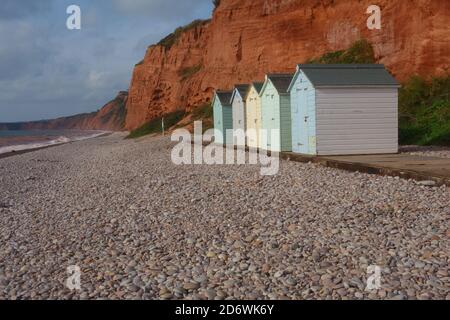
139 227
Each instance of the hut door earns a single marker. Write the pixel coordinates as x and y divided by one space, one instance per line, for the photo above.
273 142
304 120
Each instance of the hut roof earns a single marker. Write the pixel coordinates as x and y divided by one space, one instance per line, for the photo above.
258 86
224 96
348 75
281 81
242 89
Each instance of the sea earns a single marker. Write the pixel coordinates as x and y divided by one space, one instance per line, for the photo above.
19 140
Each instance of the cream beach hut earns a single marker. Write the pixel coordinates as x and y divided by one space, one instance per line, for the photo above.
254 115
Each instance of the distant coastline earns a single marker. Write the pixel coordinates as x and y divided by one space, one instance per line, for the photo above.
39 144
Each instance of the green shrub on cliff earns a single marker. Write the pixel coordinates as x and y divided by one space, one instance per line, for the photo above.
154 126
205 111
172 38
360 52
425 111
205 114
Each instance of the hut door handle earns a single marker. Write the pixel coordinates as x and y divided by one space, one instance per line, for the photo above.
306 119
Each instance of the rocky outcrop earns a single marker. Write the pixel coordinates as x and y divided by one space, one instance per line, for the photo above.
246 39
110 118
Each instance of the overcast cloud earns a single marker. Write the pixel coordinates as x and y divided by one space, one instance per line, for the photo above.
47 71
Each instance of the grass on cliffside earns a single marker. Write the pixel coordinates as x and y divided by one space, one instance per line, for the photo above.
205 114
425 112
360 52
154 126
172 38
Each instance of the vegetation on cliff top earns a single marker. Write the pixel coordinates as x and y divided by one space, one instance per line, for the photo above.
425 111
205 114
360 52
216 3
155 125
172 38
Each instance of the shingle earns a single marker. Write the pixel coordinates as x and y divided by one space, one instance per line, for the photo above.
281 82
348 75
224 97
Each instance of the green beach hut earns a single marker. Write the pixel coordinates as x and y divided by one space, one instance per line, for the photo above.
276 113
223 117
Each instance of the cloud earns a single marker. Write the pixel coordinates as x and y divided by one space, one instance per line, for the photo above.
47 71
13 9
25 53
162 9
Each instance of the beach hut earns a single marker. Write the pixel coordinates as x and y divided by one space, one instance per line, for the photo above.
253 109
223 116
239 114
344 110
276 113
254 115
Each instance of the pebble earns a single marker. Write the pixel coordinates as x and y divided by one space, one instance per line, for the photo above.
167 296
122 211
278 274
191 286
427 183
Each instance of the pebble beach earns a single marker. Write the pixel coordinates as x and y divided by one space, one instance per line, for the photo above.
140 227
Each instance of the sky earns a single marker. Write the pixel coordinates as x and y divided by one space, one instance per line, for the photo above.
48 71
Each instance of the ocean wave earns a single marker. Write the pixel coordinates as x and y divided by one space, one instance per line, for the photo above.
48 143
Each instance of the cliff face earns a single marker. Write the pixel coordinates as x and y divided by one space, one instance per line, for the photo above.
110 118
247 39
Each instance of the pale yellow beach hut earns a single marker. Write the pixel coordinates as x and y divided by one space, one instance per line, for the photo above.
253 111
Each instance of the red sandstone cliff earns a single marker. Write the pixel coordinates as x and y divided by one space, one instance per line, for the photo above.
110 118
247 39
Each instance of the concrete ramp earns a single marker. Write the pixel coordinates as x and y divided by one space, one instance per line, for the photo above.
406 166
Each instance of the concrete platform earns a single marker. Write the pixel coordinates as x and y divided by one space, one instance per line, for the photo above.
399 165
405 166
